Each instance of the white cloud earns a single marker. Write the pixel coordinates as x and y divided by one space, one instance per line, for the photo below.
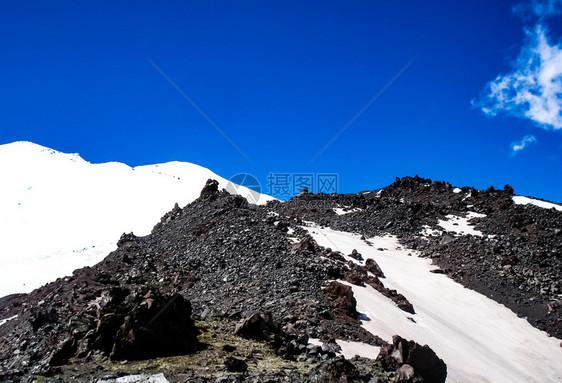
520 145
540 8
533 90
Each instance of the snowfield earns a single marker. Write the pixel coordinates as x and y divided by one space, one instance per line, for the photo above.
59 212
520 200
460 225
479 339
346 210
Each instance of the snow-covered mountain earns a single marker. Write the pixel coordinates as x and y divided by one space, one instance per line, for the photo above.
283 292
289 291
59 212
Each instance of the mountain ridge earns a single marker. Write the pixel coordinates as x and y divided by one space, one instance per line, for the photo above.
232 260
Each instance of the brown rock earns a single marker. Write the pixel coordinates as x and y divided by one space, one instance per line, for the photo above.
341 298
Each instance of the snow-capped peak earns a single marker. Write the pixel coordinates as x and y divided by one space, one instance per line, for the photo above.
59 212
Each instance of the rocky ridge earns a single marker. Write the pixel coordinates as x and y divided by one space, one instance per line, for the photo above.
258 287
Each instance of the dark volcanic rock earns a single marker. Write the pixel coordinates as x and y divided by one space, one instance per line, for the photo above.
257 326
337 370
131 326
374 268
211 189
517 263
422 359
156 326
406 374
224 259
341 297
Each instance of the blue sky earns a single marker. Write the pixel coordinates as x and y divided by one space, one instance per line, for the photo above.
478 105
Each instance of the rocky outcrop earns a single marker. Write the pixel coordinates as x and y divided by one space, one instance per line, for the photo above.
131 326
413 361
517 262
257 326
337 370
155 326
341 298
210 190
221 259
374 268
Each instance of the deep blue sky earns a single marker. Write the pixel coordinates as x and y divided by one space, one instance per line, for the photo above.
281 79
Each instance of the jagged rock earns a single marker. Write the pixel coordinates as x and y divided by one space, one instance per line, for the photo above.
169 217
356 255
405 374
126 239
372 266
210 190
257 326
305 244
355 279
422 358
403 303
337 370
43 316
158 326
227 257
341 297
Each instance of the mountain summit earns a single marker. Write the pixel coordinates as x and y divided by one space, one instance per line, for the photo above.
60 212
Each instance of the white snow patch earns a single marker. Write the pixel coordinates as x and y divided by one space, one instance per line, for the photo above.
350 349
29 272
346 210
479 339
142 378
460 225
457 190
54 203
520 200
2 321
473 214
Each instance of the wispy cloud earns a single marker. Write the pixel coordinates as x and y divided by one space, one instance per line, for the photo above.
533 89
517 146
539 8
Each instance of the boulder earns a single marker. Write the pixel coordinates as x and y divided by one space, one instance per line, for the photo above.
356 255
374 268
210 190
405 373
425 363
257 326
158 326
336 370
342 299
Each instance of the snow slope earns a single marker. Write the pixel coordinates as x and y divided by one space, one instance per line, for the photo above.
479 339
59 212
460 225
520 200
